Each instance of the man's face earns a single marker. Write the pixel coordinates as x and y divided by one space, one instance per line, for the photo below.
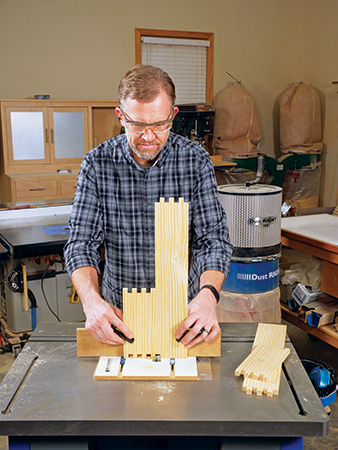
146 146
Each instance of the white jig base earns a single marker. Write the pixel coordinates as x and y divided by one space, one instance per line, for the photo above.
110 368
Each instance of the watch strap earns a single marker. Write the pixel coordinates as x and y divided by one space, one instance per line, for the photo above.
213 290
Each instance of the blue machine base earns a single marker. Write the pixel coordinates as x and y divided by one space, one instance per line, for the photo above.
326 401
154 443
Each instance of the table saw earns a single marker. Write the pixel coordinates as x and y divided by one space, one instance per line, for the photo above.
50 400
35 231
26 236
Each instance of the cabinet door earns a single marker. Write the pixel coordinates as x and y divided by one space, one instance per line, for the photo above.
28 136
69 134
68 188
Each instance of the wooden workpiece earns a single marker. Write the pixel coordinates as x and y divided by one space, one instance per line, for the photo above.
262 369
155 316
262 362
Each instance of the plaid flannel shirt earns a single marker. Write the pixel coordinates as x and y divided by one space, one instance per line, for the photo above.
114 206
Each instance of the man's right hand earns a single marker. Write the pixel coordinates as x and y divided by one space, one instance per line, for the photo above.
101 315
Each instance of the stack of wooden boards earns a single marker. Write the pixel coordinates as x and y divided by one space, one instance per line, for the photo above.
262 369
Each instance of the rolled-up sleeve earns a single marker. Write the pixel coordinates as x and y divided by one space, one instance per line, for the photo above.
86 222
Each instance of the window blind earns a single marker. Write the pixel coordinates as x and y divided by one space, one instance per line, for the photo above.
185 60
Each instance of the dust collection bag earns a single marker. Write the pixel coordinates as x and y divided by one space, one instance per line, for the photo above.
236 122
259 307
300 120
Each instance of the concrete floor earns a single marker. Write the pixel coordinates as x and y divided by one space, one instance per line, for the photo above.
304 347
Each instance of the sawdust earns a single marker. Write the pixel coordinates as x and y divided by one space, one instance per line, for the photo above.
163 387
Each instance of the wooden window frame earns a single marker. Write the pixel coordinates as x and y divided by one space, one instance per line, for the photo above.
139 32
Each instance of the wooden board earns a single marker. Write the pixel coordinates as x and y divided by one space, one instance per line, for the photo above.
155 316
272 334
88 346
262 368
329 280
218 161
262 362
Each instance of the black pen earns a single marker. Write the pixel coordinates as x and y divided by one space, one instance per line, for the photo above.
187 331
121 335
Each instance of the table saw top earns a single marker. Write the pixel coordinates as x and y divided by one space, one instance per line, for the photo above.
57 395
35 232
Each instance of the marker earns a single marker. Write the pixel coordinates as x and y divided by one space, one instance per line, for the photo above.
187 331
121 335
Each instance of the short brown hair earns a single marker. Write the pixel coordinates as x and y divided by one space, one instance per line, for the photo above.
144 82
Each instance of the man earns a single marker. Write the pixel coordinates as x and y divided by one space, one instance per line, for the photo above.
118 186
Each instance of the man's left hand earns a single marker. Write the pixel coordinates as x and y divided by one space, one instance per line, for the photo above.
201 323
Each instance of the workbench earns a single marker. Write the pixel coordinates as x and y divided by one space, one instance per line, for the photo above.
49 395
315 235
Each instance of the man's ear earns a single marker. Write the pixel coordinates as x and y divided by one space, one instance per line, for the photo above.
175 110
119 115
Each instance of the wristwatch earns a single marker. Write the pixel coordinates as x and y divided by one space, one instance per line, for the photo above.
213 290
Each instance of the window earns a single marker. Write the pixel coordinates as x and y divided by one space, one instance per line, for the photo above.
186 56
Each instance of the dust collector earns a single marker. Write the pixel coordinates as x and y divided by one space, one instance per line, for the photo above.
254 220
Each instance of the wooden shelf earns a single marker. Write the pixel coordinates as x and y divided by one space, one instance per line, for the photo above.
307 246
327 333
327 251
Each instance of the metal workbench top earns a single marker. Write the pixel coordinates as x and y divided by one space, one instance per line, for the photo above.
58 396
35 231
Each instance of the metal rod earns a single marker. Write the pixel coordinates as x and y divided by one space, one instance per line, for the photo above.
237 81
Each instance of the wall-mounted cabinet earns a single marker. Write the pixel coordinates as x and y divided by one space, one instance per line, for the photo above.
49 137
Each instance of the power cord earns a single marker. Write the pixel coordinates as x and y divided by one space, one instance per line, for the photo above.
45 297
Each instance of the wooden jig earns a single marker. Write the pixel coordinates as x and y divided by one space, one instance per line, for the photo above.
155 316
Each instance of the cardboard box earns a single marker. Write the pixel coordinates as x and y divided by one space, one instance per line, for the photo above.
302 295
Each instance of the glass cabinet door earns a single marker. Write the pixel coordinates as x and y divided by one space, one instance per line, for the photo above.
69 134
28 135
